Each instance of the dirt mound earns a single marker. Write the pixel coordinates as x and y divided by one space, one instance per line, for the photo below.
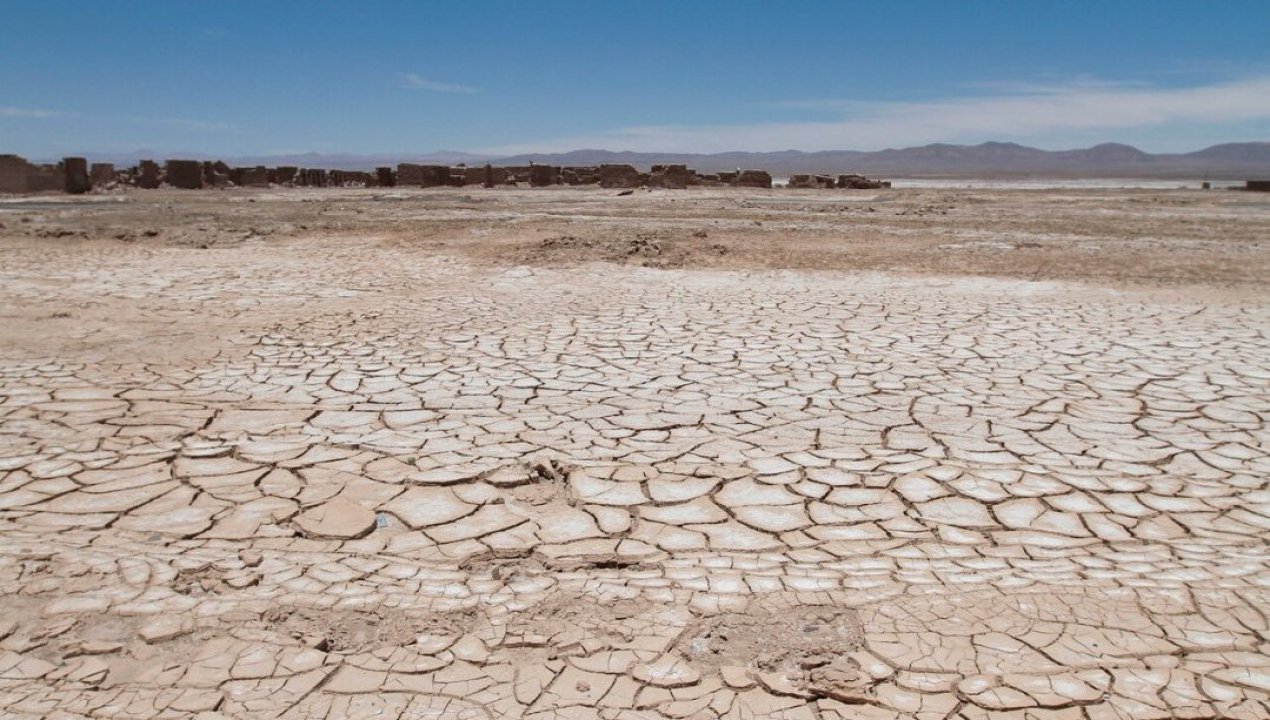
805 648
544 482
198 580
351 631
568 615
648 249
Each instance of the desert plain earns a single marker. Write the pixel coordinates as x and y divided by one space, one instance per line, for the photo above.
707 453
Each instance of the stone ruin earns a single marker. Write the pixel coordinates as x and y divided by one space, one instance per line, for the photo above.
19 176
148 175
674 177
543 175
184 174
753 178
579 175
311 177
217 174
486 176
283 174
13 172
619 176
409 174
101 174
842 182
412 175
436 175
74 175
250 176
477 176
811 181
860 182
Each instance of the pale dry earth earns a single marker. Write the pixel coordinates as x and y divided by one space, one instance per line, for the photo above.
678 454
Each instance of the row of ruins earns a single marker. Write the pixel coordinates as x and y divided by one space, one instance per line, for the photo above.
75 175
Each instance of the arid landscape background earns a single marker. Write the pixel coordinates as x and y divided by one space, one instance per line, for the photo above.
703 453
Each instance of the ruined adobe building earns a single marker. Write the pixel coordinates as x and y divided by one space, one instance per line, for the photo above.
184 174
619 176
101 174
843 182
148 175
753 178
543 175
74 175
674 177
19 176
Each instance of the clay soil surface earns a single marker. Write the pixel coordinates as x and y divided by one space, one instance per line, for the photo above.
560 453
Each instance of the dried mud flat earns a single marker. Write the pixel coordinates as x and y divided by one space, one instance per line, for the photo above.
681 454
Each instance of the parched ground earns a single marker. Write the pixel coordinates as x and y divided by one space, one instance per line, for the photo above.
565 454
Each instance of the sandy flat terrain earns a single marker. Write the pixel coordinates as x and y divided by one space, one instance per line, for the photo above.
678 454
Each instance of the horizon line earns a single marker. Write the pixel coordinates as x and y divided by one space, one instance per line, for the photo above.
168 154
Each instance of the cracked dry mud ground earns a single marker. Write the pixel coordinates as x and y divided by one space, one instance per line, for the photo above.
411 462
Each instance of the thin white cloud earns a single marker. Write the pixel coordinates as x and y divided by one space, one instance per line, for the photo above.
1025 113
33 113
18 112
180 122
1053 86
411 81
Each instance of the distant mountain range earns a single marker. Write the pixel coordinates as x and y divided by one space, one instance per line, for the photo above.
992 159
1231 161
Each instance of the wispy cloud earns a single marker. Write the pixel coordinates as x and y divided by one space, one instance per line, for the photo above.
180 122
1052 85
1018 112
411 81
37 114
19 112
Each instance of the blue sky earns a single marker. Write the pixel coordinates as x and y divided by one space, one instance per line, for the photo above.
239 78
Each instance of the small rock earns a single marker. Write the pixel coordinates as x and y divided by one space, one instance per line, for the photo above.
98 647
238 582
165 628
778 683
667 671
339 518
470 649
736 677
432 644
